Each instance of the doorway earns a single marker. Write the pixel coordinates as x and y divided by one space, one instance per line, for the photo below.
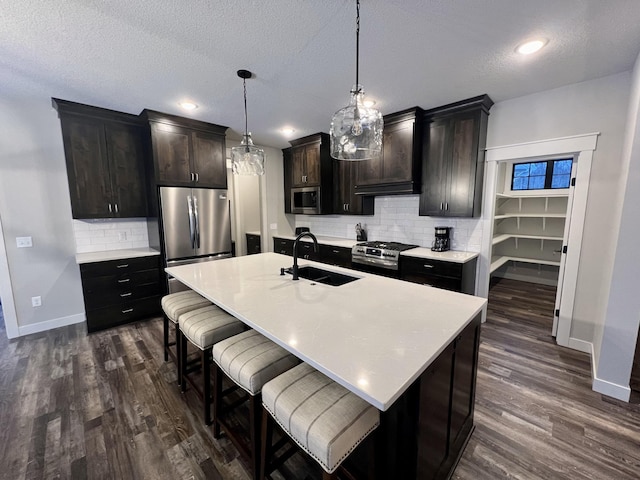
578 148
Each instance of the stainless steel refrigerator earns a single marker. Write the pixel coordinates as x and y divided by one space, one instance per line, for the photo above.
196 226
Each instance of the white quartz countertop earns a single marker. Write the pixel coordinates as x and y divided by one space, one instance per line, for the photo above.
115 255
338 242
374 336
253 232
455 256
448 256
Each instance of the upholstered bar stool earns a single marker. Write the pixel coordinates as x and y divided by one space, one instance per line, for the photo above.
204 327
326 420
174 305
250 360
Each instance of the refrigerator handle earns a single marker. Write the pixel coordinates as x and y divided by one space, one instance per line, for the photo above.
192 233
197 222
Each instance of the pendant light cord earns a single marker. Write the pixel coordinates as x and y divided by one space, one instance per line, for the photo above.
244 82
357 46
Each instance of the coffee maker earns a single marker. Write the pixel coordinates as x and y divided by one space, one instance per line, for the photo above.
442 240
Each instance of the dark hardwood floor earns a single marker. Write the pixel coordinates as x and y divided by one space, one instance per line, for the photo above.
106 406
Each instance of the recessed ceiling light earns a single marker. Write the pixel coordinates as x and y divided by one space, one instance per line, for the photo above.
188 105
532 46
287 131
367 102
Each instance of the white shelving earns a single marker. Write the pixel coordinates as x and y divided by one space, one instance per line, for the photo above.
528 228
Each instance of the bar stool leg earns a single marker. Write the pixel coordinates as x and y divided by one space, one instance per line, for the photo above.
265 443
178 354
206 380
165 325
217 400
255 410
183 362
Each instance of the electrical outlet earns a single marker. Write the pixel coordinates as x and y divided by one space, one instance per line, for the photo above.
36 301
24 242
122 236
273 226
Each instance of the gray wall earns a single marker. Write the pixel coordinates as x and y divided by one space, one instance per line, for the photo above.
595 106
616 339
34 201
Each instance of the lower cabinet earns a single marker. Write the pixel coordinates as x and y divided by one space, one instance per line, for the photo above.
459 277
253 244
121 291
283 246
339 256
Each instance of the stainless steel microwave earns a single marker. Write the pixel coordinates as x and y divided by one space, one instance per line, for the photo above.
305 200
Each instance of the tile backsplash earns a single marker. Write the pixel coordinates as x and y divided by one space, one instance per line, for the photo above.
396 219
110 234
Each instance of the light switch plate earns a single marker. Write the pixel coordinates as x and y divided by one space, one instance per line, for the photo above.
36 301
273 226
24 242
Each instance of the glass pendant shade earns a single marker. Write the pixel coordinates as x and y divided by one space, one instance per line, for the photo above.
356 130
247 159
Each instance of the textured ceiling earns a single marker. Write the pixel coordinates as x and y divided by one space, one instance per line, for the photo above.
129 55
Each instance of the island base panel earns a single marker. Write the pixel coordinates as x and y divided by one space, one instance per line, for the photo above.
424 433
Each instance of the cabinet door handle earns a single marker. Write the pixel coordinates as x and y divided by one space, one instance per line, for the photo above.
348 207
116 207
126 280
128 310
128 294
426 265
441 206
110 211
197 177
446 205
123 265
193 177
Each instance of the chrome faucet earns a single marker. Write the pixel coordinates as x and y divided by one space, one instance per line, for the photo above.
294 269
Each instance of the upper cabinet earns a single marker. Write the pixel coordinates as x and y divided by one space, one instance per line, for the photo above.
345 200
308 163
452 173
105 161
187 152
397 169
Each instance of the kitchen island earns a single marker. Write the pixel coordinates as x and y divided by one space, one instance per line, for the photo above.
407 349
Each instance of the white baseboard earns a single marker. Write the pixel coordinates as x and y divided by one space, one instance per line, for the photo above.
581 346
621 392
51 324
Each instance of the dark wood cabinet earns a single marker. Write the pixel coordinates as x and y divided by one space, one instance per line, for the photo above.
105 161
332 255
345 200
283 246
253 244
397 169
187 152
458 277
453 168
121 291
308 163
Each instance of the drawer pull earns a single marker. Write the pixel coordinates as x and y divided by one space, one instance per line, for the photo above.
128 310
128 294
126 280
335 251
124 265
427 266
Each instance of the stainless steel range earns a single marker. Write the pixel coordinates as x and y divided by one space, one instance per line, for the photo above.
378 255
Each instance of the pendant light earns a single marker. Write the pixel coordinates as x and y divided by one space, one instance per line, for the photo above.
246 159
356 130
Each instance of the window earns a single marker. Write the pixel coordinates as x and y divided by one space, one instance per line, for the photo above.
549 174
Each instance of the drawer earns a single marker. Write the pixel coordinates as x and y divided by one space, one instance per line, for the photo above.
332 255
283 246
126 312
305 250
118 267
424 266
110 297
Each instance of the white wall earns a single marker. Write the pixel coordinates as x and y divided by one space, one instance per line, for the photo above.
274 220
596 106
34 201
615 340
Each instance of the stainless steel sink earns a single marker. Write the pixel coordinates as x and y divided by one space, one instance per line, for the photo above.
325 277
